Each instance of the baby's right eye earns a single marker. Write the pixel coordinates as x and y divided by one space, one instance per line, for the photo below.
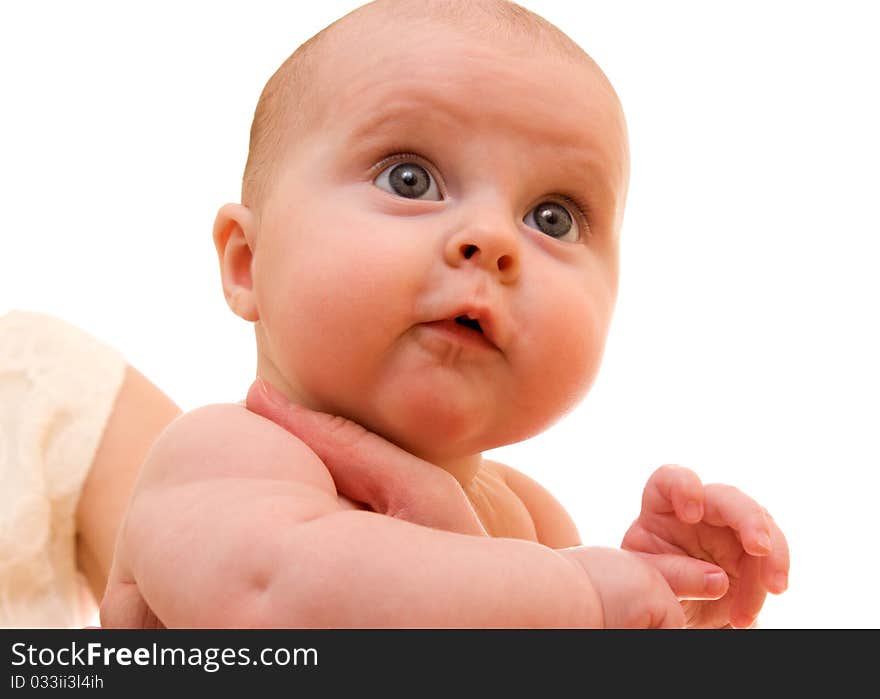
408 180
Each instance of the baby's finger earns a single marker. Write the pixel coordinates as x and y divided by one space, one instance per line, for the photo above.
750 594
676 489
726 506
774 567
689 578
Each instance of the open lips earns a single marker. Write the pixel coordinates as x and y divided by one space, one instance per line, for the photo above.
475 324
481 322
472 323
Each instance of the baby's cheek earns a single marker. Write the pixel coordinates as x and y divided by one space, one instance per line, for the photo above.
567 355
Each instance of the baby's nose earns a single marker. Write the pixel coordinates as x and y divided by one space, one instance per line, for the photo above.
495 248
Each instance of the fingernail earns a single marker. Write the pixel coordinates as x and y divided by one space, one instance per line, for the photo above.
764 541
714 583
781 581
692 510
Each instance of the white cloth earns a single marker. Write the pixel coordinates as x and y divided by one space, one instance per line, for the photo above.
57 389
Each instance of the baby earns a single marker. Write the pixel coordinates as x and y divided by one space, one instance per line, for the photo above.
427 246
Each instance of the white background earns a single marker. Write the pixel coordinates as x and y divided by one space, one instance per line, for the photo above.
745 343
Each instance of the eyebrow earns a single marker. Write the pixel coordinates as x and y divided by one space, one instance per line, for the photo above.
588 162
383 119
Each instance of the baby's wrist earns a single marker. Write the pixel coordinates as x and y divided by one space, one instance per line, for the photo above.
588 610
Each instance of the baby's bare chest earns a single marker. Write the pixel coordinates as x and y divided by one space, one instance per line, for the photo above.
501 511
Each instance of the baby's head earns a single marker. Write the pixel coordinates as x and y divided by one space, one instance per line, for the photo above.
428 236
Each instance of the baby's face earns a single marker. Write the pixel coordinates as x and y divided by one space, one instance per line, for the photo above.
446 179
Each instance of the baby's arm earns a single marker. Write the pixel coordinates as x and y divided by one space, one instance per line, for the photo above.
235 522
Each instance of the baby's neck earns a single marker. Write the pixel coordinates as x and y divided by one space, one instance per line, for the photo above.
463 468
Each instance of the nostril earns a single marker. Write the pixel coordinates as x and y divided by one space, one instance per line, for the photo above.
468 251
504 262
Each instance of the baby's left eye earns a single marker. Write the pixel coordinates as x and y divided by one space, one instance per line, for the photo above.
408 180
553 219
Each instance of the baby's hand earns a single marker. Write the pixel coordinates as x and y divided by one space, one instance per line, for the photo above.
715 523
641 591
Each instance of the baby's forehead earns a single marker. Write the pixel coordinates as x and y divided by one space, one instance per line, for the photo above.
448 79
447 65
530 111
413 40
395 55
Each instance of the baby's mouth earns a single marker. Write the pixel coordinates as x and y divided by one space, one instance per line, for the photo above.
472 323
467 330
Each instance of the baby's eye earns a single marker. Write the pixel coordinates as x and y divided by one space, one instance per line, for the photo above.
408 180
554 220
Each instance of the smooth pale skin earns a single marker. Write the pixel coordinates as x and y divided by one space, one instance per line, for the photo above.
392 486
235 521
325 562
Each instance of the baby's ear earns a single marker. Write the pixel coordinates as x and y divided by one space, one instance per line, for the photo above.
234 230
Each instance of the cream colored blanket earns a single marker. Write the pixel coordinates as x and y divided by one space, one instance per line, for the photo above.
57 389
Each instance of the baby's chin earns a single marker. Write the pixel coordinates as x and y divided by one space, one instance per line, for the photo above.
437 425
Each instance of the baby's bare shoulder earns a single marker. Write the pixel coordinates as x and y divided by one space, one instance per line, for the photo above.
229 466
229 441
221 490
553 525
